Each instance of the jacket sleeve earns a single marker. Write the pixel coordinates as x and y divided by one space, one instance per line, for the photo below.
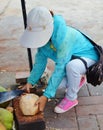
55 80
38 67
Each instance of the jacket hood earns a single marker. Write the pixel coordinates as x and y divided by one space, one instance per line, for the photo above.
59 32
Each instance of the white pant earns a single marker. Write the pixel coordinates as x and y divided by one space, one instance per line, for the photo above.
74 70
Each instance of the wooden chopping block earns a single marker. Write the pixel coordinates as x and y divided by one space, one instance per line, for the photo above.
22 122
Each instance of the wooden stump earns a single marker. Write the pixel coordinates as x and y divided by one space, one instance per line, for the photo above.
22 122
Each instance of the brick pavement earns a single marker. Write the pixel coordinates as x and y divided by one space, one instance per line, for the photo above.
88 115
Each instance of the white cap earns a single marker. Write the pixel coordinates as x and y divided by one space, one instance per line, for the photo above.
39 28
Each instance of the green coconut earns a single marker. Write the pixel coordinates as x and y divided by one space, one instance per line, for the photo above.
6 118
2 89
4 105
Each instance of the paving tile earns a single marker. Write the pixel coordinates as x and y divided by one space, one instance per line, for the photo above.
49 111
68 114
91 100
49 128
88 123
7 79
70 129
95 91
59 121
83 91
89 110
100 121
62 123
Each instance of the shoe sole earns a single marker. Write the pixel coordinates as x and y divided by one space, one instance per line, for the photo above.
66 110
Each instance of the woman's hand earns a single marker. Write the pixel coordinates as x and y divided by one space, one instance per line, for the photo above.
41 102
27 87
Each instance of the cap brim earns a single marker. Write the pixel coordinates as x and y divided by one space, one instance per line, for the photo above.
36 39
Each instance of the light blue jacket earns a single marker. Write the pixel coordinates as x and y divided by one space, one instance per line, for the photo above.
65 42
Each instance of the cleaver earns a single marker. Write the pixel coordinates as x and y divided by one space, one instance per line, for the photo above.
9 95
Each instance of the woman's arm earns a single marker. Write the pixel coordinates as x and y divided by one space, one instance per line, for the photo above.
38 67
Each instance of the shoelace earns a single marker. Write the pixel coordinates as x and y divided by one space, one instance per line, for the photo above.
63 103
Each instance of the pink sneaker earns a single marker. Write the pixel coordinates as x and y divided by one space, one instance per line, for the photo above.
65 105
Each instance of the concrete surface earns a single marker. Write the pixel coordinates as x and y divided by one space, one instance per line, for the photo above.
84 15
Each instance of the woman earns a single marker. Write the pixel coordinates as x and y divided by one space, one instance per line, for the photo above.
59 42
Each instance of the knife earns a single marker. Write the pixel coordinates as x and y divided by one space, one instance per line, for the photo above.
9 95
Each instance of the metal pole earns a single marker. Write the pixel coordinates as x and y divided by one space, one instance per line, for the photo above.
25 24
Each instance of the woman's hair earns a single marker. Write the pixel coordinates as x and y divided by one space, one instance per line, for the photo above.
52 16
51 13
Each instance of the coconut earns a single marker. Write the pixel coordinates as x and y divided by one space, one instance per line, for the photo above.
27 104
6 118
